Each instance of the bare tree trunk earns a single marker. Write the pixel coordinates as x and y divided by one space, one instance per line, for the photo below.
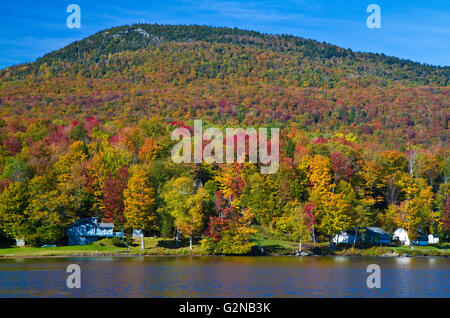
354 240
142 241
190 242
300 234
412 162
177 236
313 235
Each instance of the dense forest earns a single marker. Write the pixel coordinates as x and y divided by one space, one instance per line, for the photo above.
85 131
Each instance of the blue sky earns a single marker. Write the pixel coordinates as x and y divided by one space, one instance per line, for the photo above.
412 29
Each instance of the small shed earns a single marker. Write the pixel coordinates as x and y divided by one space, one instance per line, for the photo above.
20 242
87 231
421 240
433 239
401 235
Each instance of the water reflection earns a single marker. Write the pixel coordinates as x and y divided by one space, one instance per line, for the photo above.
226 277
403 260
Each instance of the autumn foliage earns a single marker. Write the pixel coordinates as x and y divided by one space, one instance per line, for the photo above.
85 131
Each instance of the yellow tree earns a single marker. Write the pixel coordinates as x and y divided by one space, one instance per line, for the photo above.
139 201
428 167
132 139
13 203
65 163
264 199
394 166
372 183
300 221
236 239
71 176
416 212
47 211
97 173
333 209
186 204
334 215
104 163
320 174
192 222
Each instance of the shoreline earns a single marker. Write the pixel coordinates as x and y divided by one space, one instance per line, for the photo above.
126 255
262 248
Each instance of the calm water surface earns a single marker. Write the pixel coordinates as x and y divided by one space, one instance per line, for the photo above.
225 277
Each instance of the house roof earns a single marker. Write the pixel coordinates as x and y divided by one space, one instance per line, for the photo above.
84 221
348 232
421 237
106 225
377 230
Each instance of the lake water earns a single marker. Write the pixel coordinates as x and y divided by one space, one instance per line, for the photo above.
225 277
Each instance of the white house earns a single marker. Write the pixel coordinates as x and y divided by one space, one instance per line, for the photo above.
20 242
402 236
347 237
433 239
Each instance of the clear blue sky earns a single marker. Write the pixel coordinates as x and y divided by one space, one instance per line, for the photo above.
414 29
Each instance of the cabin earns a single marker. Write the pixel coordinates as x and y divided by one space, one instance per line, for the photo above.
401 235
421 240
367 235
87 231
375 235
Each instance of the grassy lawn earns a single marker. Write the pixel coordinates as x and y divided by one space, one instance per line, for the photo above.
164 246
272 245
438 250
153 246
275 244
277 247
56 251
441 250
60 250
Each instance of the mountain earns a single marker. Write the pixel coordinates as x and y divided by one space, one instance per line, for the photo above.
96 48
232 76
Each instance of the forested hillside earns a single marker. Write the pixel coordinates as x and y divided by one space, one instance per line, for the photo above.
85 131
